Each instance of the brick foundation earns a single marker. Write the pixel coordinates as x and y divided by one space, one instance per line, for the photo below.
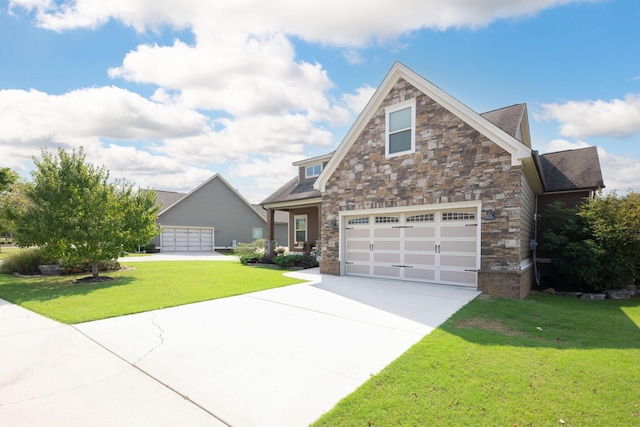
508 284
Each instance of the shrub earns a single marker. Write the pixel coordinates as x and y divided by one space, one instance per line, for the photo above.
24 262
288 261
242 249
594 247
253 258
85 267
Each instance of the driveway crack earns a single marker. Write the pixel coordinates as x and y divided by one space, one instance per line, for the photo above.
160 339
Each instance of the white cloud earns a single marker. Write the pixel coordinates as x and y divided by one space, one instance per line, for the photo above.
328 21
266 173
619 118
107 112
358 100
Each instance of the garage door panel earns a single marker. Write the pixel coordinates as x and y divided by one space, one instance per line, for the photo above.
358 269
458 261
458 231
423 259
420 232
387 245
421 246
463 246
420 274
358 256
358 245
357 233
386 257
386 271
386 233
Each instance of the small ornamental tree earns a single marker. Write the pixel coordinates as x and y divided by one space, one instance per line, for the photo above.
74 213
595 246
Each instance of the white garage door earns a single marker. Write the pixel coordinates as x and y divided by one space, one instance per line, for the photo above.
430 246
183 239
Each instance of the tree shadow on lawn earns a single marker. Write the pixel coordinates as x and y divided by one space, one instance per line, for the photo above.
549 321
46 288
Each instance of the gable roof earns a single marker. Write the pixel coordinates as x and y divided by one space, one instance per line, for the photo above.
512 120
509 143
195 190
167 198
571 170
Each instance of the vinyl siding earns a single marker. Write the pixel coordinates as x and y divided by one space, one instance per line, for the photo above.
215 205
527 210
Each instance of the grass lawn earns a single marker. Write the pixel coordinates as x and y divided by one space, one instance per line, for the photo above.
149 286
5 251
544 361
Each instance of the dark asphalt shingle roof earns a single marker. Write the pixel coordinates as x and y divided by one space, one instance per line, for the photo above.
293 190
508 118
571 170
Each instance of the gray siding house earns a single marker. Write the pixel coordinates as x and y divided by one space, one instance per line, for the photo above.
424 189
212 216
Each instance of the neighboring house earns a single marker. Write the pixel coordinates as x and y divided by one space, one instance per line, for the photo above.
422 188
213 215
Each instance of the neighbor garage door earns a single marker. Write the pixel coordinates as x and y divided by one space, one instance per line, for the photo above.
183 239
429 246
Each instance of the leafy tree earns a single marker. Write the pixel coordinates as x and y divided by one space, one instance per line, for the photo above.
7 179
8 182
615 223
568 240
74 213
596 245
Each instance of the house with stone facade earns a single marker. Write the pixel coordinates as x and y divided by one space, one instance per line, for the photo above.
422 188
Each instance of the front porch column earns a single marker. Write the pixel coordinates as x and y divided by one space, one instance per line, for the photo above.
270 242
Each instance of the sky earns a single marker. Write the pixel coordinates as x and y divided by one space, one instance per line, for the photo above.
166 93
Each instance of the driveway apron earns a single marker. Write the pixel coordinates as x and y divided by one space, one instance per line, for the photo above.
280 357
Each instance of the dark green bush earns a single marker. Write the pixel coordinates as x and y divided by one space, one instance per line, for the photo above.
25 261
287 261
253 258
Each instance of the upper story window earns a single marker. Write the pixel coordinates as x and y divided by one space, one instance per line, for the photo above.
312 171
400 132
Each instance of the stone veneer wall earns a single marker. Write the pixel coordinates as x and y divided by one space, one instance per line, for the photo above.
452 163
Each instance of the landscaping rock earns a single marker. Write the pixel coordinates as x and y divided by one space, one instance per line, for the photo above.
619 293
572 294
50 270
594 296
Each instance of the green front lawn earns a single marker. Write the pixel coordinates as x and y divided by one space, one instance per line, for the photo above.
6 250
147 287
545 361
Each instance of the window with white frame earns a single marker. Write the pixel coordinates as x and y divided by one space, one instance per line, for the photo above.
312 171
257 233
400 131
300 228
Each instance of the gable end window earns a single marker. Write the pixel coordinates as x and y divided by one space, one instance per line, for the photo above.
400 129
312 171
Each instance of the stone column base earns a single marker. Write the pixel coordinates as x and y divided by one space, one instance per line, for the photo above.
269 246
330 267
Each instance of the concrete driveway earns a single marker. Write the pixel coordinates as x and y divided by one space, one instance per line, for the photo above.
280 357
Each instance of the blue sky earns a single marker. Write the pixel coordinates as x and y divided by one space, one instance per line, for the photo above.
165 94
